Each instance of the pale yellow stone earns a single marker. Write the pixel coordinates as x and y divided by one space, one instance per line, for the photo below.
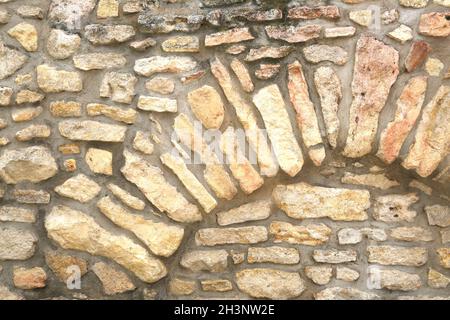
437 279
434 67
310 235
207 106
319 275
257 210
400 256
216 285
142 142
361 17
156 104
180 287
126 197
107 9
26 114
99 161
52 80
241 72
127 116
113 280
65 108
181 44
79 188
378 180
205 260
28 96
92 131
26 34
220 236
34 131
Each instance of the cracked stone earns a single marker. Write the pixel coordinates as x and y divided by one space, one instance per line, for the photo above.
118 86
310 235
361 17
92 131
99 34
397 256
127 198
201 260
26 34
26 114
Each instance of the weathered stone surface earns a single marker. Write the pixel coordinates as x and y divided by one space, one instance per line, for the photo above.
142 45
409 105
432 135
414 3
28 96
31 196
181 44
180 287
214 3
62 265
160 85
318 52
390 16
162 239
51 80
336 293
17 214
411 234
242 235
376 69
5 17
401 34
16 244
435 24
33 164
202 260
434 67
268 52
99 161
293 34
118 86
157 64
216 285
233 17
273 254
26 34
271 105
243 75
438 215
128 116
99 34
79 188
229 36
152 21
270 283
26 114
445 3
397 256
346 274
34 131
328 86
64 109
318 12
126 198
353 236
310 235
337 32
107 9
113 280
267 71
62 45
305 113
69 14
375 180
156 104
32 12
319 275
361 17
334 256
28 279
394 208
77 231
10 61
5 96
91 131
417 55
236 49
142 142
437 280
150 180
247 118
257 210
98 61
445 235
394 280
444 257
301 200
207 106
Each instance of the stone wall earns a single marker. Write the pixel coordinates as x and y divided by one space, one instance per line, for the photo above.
344 106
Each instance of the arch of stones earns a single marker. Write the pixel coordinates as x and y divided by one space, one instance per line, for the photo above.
343 105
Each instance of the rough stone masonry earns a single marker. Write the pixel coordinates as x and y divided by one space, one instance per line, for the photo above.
328 176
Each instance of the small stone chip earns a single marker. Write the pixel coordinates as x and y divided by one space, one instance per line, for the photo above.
400 256
99 161
319 275
257 210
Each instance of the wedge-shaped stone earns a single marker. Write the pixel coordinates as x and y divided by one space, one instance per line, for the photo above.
126 197
26 34
273 254
16 244
113 280
150 180
207 106
243 75
32 164
265 52
162 239
336 293
376 180
271 105
346 274
99 161
270 283
52 80
220 236
334 256
302 201
10 61
253 211
411 234
157 104
310 235
328 86
241 168
444 257
99 34
34 131
435 24
394 207
128 115
157 64
247 117
75 230
215 174
317 12
92 131
401 34
305 113
79 188
376 69
188 179
98 61
118 86
394 280
17 214
61 265
293 34
417 55
181 44
432 135
202 260
319 52
397 256
229 36
438 215
409 105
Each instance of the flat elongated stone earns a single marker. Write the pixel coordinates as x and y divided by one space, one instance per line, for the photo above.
319 52
99 34
317 12
243 75
293 34
98 61
128 116
319 275
107 9
305 113
229 36
142 45
336 293
31 196
16 244
271 105
180 287
435 24
52 80
150 180
411 234
79 188
257 210
346 274
394 280
26 34
156 104
376 69
34 131
126 198
214 3
438 215
220 236
273 254
62 265
162 239
417 55
409 105
207 106
328 86
91 131
334 256
247 117
61 44
202 260
215 174
65 109
158 21
76 230
113 280
32 12
270 283
157 64
241 168
361 17
181 44
216 285
70 14
432 135
301 200
10 61
265 52
310 235
414 3
26 114
32 164
444 257
118 86
397 256
233 17
376 180
28 96
160 85
337 32
353 236
267 71
394 208
17 214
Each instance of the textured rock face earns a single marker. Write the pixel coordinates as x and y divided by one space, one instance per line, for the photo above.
92 131
207 106
26 35
114 281
10 61
273 254
294 34
394 280
394 208
435 24
211 260
229 36
50 79
28 279
252 211
400 256
69 14
118 86
319 53
218 236
310 235
157 64
16 244
62 265
336 293
376 69
108 34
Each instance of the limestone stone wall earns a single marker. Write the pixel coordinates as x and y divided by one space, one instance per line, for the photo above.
235 149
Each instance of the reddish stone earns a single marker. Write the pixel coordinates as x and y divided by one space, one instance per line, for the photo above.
417 55
319 12
435 24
